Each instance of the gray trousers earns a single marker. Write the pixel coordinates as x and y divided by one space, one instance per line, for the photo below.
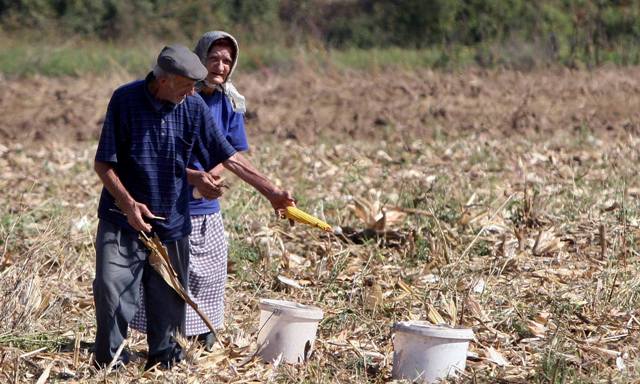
121 266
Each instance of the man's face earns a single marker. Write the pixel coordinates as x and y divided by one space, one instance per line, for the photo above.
176 88
219 62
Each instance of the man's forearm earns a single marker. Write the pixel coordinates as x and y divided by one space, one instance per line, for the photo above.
217 170
193 175
135 211
112 183
242 168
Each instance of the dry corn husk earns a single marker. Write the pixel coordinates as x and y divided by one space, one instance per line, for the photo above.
375 216
160 261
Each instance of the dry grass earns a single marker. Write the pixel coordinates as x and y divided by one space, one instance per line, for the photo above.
504 241
531 240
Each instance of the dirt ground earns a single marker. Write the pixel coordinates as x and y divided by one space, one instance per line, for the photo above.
514 212
310 105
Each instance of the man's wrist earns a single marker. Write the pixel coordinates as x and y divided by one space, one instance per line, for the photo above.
191 173
126 203
273 194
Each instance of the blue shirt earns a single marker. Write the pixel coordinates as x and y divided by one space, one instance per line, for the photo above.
148 143
232 126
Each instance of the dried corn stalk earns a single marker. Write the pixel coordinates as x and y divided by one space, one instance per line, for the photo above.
375 216
160 261
434 316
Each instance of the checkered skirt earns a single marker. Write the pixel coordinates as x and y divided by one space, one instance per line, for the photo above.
207 275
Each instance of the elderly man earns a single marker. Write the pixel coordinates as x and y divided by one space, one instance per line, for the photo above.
152 128
218 52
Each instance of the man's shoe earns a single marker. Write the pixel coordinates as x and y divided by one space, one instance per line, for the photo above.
165 360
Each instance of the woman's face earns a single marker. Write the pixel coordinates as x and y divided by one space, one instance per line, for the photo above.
219 62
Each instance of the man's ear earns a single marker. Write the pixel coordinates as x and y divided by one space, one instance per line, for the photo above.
165 80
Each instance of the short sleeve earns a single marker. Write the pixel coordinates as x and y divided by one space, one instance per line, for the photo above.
107 146
236 134
211 147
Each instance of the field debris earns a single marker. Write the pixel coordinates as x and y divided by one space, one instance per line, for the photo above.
530 240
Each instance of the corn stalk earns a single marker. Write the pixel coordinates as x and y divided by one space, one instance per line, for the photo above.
160 261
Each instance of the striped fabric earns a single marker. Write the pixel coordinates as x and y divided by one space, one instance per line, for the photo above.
149 143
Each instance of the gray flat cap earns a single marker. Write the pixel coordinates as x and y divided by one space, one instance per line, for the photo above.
179 60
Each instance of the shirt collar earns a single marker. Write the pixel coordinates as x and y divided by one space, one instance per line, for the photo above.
158 105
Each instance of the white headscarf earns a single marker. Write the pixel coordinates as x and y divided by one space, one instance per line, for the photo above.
202 50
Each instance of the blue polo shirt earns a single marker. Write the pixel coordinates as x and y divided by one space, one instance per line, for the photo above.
231 125
149 143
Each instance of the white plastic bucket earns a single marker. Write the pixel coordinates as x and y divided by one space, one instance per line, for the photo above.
287 329
427 353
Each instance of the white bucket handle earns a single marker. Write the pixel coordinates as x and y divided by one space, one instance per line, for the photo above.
276 312
261 346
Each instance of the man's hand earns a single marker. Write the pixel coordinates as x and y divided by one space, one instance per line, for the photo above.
208 186
136 212
280 199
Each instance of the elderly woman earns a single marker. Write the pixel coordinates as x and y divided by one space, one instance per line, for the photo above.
218 51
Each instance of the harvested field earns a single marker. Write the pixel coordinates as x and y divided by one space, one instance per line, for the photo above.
510 207
311 105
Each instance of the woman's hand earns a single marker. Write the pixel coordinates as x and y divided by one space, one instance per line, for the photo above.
206 184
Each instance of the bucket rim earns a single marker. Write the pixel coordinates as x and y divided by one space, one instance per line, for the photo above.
291 308
427 329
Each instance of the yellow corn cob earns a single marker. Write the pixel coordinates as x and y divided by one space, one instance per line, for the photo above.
296 214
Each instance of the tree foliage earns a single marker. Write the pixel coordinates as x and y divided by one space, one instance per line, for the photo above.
553 26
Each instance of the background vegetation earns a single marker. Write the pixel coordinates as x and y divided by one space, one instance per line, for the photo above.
437 33
500 200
